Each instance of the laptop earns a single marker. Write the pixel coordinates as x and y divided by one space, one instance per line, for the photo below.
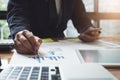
53 72
105 57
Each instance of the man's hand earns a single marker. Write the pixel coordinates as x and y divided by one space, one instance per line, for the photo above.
91 34
26 42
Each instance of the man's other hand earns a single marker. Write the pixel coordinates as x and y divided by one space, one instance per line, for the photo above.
91 34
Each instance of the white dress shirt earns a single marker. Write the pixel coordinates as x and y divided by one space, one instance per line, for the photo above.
58 6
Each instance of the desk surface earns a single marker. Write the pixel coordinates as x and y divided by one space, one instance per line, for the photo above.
6 54
116 39
114 71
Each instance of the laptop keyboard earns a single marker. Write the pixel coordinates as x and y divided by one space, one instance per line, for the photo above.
31 73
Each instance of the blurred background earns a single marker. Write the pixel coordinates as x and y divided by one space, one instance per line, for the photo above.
104 14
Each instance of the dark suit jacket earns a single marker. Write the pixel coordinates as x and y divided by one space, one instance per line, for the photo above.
41 18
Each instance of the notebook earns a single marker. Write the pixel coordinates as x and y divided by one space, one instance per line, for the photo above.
61 72
105 57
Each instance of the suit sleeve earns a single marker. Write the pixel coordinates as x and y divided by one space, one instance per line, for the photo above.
17 17
79 17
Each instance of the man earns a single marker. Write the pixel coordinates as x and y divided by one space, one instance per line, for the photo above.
31 20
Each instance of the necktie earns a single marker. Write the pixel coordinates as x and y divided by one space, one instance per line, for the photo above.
55 12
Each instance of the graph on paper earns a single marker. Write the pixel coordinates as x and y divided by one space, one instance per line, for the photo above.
52 55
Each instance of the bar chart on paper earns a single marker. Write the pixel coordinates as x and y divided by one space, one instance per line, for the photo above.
48 58
51 55
56 55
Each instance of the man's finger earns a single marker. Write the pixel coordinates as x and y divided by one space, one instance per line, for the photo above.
87 38
26 43
95 33
39 42
30 38
19 47
91 29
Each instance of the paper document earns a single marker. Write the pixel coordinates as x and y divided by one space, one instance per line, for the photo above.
54 54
